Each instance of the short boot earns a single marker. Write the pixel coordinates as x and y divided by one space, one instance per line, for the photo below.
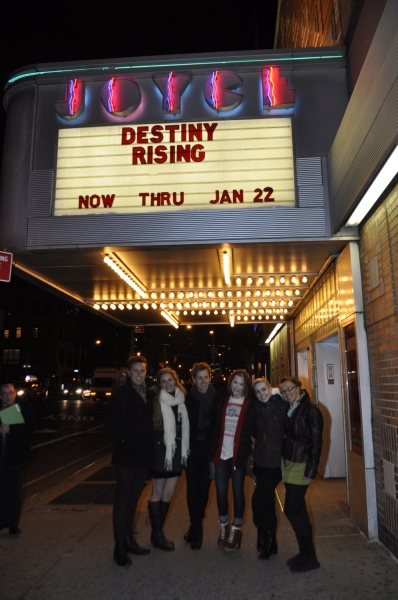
223 537
134 548
308 560
234 539
157 538
120 554
266 549
274 544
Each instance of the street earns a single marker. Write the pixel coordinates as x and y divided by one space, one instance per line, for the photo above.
69 436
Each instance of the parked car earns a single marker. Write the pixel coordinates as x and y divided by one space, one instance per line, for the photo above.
31 390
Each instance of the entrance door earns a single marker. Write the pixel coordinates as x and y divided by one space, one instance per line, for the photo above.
330 398
303 369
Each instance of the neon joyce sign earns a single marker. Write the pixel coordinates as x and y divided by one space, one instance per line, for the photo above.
121 96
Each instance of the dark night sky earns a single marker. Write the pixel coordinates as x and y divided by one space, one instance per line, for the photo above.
44 31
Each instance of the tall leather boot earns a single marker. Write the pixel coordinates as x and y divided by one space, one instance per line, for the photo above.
120 554
164 509
261 537
157 538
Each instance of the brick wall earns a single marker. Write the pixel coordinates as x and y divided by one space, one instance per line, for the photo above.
379 264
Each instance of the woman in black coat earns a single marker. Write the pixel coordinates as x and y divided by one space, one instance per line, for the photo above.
270 434
301 454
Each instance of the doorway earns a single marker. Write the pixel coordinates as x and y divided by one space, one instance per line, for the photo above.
333 461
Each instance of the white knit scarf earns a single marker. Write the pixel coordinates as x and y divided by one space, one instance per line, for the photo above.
169 425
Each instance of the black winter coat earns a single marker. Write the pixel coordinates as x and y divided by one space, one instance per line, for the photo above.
200 450
129 423
270 434
303 443
16 449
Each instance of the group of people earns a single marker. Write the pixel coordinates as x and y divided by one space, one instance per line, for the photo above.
213 435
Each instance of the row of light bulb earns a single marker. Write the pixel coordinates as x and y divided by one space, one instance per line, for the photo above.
129 306
229 294
195 305
282 280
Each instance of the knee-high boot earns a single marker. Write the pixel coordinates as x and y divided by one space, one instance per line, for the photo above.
157 517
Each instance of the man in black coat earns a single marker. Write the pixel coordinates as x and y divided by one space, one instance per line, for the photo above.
201 403
129 423
15 453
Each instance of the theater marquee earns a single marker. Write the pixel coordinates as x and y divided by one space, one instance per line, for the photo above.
175 166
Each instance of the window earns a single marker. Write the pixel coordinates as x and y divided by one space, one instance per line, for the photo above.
11 356
6 333
35 332
18 332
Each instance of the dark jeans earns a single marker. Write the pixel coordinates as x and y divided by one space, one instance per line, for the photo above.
224 471
198 486
129 486
296 510
263 499
10 495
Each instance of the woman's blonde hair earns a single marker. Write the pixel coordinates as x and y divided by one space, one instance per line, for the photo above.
157 412
262 380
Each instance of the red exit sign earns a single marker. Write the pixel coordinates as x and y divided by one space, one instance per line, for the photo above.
5 266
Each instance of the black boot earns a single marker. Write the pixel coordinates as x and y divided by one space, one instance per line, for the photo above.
188 535
197 537
164 509
157 537
274 544
267 547
134 548
120 554
306 560
260 538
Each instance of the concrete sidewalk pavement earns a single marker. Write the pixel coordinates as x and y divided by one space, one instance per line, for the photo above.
65 552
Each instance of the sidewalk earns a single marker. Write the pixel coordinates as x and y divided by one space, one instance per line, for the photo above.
65 552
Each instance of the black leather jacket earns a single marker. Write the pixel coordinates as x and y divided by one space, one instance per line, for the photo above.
303 443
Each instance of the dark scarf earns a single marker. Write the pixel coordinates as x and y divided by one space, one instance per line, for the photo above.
204 409
265 408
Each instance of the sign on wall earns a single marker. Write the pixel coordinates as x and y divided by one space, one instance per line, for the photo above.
175 166
5 266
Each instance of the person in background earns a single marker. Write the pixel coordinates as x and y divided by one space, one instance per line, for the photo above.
231 447
300 459
270 434
15 453
170 451
201 404
129 423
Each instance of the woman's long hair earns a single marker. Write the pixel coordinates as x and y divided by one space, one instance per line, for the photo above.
157 413
246 379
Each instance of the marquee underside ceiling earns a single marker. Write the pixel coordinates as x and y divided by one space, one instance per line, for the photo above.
186 282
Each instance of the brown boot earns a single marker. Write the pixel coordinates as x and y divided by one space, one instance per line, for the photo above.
234 538
222 538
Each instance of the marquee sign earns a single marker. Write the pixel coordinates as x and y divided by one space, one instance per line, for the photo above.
175 166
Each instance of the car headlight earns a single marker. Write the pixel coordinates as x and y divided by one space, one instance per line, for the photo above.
20 392
66 392
79 391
